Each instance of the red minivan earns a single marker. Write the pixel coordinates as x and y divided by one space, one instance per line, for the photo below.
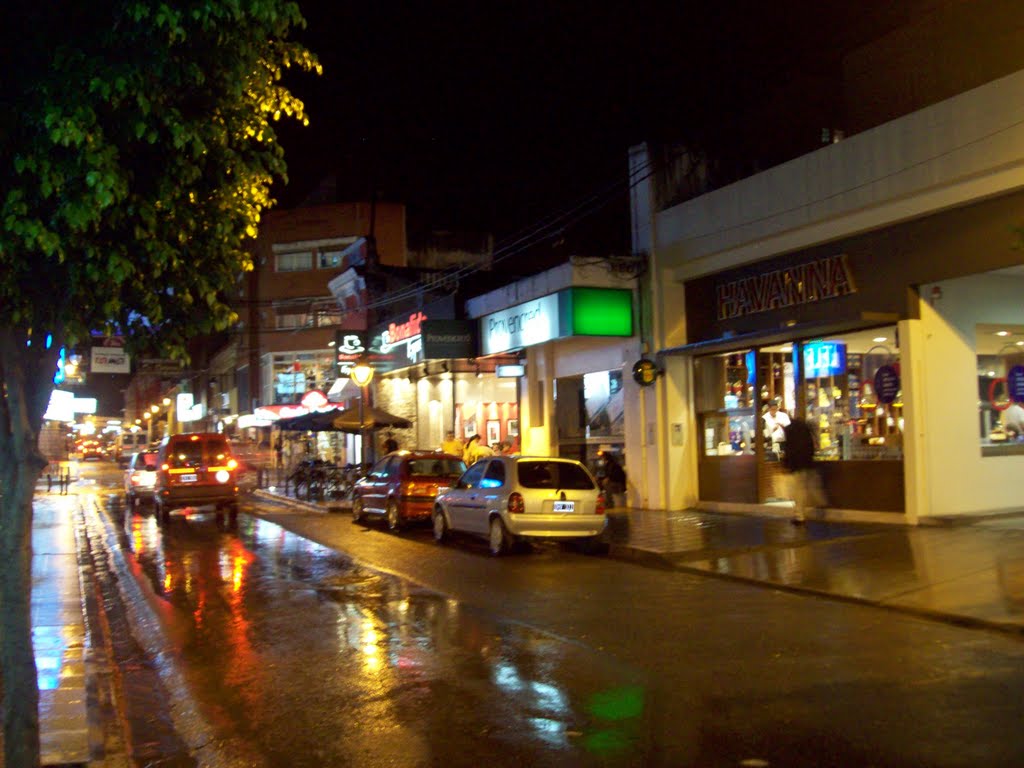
196 470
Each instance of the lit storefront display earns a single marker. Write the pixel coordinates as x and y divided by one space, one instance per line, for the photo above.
845 383
575 338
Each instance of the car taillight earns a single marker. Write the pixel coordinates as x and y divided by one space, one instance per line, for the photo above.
599 508
516 504
232 464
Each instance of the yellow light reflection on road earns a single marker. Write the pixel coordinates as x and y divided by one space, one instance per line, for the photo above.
370 643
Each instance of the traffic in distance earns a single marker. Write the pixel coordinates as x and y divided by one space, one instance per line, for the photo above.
507 500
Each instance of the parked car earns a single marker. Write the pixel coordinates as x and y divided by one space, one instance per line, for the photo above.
196 470
507 499
140 479
402 486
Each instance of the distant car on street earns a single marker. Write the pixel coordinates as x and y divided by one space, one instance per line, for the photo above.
402 486
507 499
140 479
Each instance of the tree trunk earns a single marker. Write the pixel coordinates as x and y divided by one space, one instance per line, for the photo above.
26 382
17 659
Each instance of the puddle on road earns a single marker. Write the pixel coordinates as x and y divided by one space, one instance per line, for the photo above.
314 660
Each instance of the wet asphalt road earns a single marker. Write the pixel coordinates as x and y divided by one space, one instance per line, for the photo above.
399 652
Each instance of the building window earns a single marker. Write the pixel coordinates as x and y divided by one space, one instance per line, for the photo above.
854 395
294 262
1000 352
725 403
846 387
291 375
298 320
330 259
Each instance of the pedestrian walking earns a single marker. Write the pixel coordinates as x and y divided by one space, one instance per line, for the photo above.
390 445
801 473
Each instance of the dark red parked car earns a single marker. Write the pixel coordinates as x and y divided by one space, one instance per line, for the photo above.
402 486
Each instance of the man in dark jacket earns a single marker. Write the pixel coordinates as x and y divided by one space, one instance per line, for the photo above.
798 459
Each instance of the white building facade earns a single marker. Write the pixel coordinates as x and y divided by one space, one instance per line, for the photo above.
873 287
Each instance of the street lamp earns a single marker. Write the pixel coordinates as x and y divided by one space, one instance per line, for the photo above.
362 374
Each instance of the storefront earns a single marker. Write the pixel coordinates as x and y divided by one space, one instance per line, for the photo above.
573 345
907 380
427 371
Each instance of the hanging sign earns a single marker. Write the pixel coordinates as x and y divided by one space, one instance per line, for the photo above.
887 384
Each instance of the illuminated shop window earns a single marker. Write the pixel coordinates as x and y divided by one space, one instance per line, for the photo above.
1000 350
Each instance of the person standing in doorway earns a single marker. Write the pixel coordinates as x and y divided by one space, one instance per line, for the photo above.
775 422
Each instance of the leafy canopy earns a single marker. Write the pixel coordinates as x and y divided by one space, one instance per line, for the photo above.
137 149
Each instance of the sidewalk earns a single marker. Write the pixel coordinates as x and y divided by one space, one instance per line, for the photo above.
970 573
59 631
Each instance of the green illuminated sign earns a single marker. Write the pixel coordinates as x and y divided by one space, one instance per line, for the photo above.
597 312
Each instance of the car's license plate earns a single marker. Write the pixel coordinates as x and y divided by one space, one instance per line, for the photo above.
186 478
565 506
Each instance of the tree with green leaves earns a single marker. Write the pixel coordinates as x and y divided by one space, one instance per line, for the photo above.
137 150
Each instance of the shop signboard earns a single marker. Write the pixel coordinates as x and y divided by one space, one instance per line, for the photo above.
1015 383
823 359
349 346
887 384
573 312
448 340
110 360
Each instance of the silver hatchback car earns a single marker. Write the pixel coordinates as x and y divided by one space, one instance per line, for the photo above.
509 498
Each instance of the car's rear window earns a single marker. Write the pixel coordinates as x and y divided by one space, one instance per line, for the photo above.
147 460
554 474
436 468
190 453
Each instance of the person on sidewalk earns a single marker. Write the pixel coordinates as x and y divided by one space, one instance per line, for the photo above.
614 481
802 475
451 444
475 450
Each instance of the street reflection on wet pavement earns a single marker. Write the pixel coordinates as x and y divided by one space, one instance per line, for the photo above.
311 659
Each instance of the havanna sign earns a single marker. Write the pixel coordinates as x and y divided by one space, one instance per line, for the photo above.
812 281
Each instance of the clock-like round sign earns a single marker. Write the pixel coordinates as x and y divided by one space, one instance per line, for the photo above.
645 372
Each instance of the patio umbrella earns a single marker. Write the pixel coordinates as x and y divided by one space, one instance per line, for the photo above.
315 421
373 418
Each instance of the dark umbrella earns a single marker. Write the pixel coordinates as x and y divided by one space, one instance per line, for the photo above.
315 421
373 418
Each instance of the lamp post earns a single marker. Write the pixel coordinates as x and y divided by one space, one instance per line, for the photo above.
362 374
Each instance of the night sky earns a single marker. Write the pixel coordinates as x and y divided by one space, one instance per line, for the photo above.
490 116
